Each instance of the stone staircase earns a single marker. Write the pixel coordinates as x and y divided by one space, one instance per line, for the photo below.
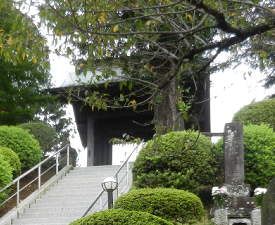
68 199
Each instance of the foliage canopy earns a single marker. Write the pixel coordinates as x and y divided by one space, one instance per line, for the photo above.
176 206
120 217
257 113
22 143
5 177
12 158
178 160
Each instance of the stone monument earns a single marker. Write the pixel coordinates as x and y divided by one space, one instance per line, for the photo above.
268 205
239 205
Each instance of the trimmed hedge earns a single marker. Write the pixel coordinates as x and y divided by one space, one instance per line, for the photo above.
121 217
257 113
5 177
164 162
22 143
259 154
12 158
173 205
46 136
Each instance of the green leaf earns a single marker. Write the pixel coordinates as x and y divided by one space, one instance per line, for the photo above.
140 25
263 54
106 84
242 21
46 65
235 23
130 86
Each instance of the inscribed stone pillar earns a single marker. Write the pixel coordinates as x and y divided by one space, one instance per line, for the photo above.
234 153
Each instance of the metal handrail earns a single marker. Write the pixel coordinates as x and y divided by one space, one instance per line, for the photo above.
116 177
17 180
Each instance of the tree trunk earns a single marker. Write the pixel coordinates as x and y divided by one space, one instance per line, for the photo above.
167 115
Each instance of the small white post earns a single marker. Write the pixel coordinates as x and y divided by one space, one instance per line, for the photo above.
127 173
17 194
39 177
100 203
116 195
56 163
68 155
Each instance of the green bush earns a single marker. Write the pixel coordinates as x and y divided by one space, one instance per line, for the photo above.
121 217
12 158
168 162
5 177
257 113
22 143
259 154
46 136
173 205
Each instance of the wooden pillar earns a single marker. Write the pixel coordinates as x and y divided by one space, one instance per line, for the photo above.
90 141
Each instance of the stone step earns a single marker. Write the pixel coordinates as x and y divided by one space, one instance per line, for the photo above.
104 167
70 200
92 170
96 181
46 224
75 185
110 172
59 194
58 204
56 220
59 208
75 214
82 186
69 209
76 197
87 189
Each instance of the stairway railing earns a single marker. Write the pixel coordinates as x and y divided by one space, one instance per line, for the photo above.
122 176
38 166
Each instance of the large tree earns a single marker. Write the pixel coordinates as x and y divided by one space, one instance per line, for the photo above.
26 76
159 44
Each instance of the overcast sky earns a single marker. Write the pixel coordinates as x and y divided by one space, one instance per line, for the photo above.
229 92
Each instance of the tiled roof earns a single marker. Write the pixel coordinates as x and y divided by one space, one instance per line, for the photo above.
74 80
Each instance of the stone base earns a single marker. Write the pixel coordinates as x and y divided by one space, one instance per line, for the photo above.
256 216
222 217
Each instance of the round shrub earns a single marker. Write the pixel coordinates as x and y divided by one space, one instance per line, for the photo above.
12 158
176 206
257 113
121 217
259 154
168 162
22 143
5 177
46 136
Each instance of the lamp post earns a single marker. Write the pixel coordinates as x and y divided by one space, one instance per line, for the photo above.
109 185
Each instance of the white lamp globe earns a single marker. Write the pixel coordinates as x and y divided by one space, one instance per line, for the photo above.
109 184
